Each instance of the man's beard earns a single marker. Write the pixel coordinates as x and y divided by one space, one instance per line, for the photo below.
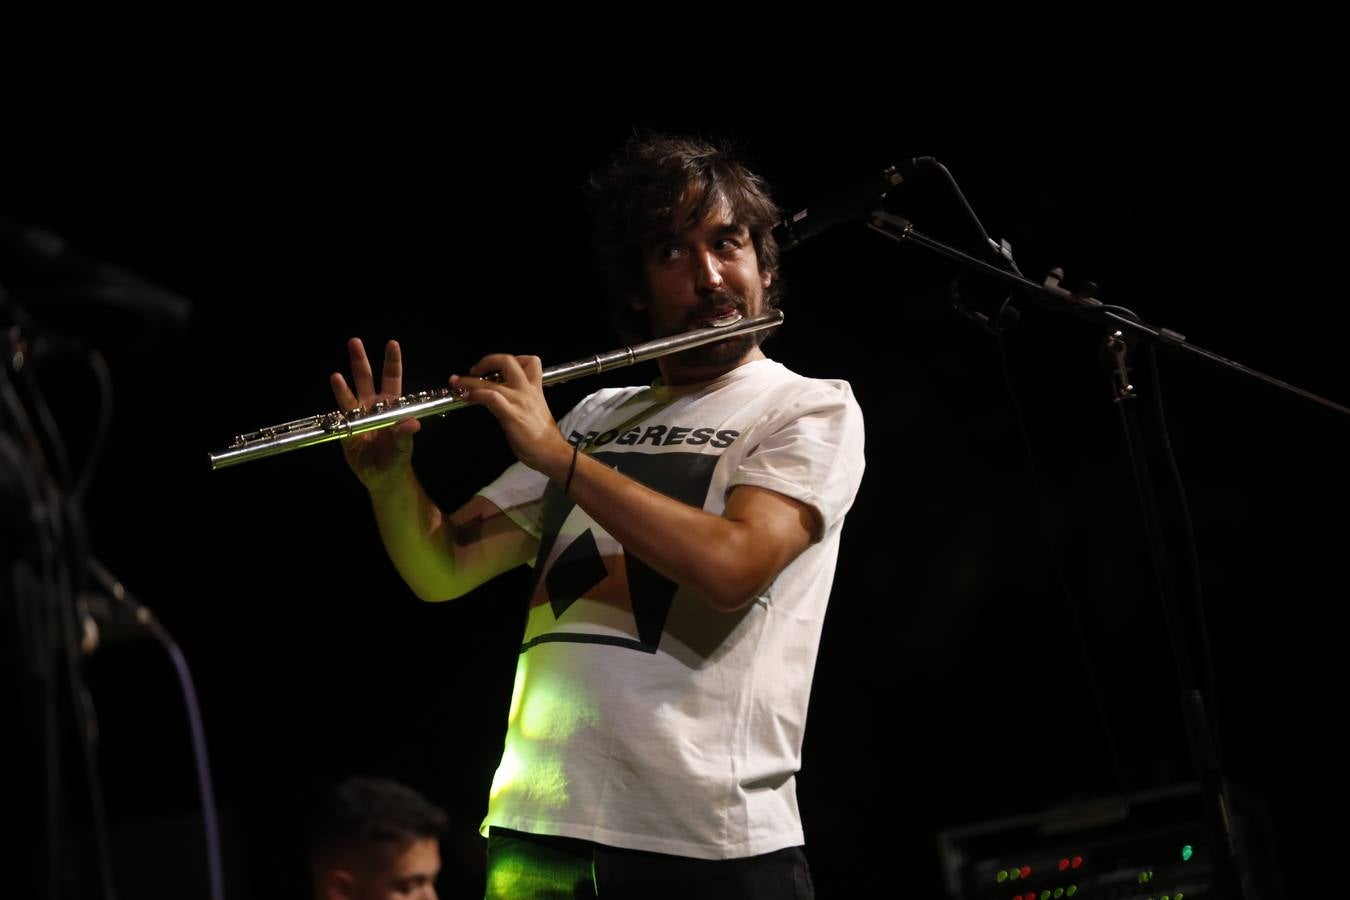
719 352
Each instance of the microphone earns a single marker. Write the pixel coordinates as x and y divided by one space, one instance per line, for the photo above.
843 206
113 615
90 280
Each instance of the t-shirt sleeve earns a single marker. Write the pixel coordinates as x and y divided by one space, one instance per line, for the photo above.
519 491
811 451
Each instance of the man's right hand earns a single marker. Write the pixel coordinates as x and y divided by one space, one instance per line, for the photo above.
380 458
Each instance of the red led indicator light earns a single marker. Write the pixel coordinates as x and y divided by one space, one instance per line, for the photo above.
1026 871
1077 861
1063 864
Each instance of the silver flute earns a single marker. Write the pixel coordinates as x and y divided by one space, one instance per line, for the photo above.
383 414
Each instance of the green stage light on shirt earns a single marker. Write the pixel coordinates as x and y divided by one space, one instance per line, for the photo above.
551 715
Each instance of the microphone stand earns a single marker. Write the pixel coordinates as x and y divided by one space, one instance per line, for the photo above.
62 598
1125 330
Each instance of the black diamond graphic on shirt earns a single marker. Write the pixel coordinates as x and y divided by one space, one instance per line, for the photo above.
681 476
578 569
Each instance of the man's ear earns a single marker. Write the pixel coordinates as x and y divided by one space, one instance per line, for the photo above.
337 884
766 279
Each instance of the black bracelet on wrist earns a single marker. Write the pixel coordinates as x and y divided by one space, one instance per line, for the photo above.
571 470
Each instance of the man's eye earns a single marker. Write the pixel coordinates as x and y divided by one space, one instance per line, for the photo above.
670 252
728 244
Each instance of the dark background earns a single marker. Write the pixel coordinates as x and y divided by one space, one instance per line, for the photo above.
303 180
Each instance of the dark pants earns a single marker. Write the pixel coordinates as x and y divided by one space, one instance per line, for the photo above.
532 867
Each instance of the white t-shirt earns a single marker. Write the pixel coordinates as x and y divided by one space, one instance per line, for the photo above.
642 717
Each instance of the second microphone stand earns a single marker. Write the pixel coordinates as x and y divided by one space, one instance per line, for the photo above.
1125 332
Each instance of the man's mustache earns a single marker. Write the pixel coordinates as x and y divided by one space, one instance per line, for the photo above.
721 300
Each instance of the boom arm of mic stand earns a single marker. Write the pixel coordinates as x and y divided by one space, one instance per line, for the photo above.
1050 295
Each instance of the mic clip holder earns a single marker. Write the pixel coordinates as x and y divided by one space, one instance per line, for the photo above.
1114 351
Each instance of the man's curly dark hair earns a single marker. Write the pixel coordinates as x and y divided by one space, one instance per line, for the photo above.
654 178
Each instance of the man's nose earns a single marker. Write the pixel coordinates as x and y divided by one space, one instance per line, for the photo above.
709 276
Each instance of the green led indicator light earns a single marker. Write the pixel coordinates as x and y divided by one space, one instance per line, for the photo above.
1002 875
1072 889
1014 874
1187 852
1059 892
1045 895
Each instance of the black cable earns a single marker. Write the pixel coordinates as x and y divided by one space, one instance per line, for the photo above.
59 593
1148 503
48 422
29 465
33 605
1188 530
1104 720
987 242
99 366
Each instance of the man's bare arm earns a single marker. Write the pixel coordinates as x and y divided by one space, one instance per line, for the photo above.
729 559
439 556
443 557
